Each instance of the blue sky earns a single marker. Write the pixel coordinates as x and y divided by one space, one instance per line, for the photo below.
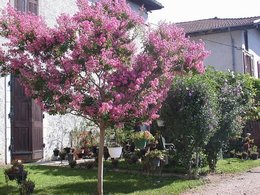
187 10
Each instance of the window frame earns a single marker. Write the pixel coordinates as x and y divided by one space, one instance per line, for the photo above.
27 5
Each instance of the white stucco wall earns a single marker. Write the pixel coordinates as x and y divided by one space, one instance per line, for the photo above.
4 110
220 46
50 9
2 121
57 132
5 126
3 3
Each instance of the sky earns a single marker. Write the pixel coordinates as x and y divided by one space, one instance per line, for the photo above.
189 10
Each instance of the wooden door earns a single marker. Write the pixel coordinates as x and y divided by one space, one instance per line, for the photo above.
21 127
26 125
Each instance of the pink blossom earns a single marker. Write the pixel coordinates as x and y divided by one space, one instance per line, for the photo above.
88 63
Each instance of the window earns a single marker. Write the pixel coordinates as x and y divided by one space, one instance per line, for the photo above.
248 63
246 40
27 5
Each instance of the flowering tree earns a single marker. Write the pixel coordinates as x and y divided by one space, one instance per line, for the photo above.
89 64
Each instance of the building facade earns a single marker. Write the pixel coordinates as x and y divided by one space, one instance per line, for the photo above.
234 43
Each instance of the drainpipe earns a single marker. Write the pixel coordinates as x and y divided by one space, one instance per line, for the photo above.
232 50
5 121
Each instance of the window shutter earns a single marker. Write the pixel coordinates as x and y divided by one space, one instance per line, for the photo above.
33 6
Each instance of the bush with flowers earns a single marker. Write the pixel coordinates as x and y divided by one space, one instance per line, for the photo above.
142 135
87 139
84 142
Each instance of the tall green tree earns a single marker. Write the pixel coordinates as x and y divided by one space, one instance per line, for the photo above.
191 116
235 97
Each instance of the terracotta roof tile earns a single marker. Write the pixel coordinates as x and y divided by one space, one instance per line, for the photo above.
217 23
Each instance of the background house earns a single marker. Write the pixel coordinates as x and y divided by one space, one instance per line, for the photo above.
25 131
234 42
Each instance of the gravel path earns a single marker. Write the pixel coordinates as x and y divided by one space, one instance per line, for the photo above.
247 183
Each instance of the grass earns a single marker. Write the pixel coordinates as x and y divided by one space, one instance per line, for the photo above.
66 181
63 180
235 165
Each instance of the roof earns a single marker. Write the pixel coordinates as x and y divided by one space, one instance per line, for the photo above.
148 4
213 25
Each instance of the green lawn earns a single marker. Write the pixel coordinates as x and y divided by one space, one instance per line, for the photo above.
235 165
62 180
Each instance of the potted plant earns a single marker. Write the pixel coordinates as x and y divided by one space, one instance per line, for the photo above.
67 150
16 172
10 173
152 159
244 155
56 152
114 140
140 138
253 153
114 150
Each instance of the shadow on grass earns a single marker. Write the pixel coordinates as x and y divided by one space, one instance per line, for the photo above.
8 189
113 186
62 171
114 182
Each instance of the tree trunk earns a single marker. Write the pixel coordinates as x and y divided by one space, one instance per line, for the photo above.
100 160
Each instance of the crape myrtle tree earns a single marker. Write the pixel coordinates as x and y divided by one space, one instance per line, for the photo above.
89 64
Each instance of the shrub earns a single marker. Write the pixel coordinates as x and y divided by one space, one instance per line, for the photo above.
190 115
235 92
19 174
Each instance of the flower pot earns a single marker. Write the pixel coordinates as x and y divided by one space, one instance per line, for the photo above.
140 143
254 156
56 152
115 152
62 156
67 150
